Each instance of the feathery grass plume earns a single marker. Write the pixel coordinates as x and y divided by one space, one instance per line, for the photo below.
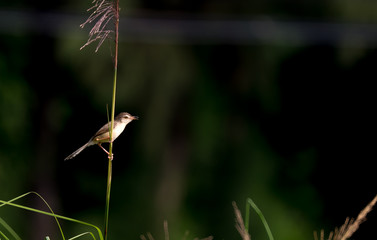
103 11
240 226
360 219
350 226
166 230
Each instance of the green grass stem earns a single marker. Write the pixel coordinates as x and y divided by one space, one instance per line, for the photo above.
249 203
110 162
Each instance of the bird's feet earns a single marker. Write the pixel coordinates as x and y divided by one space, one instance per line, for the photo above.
110 157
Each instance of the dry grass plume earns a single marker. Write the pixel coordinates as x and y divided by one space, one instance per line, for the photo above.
240 226
349 227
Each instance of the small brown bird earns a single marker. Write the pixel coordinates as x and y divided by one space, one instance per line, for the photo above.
103 134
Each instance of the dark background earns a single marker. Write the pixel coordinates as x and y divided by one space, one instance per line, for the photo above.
271 100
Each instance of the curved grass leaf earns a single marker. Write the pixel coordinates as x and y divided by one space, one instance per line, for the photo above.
249 203
82 234
9 229
45 202
52 214
3 235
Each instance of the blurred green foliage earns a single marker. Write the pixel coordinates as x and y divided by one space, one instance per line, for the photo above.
284 124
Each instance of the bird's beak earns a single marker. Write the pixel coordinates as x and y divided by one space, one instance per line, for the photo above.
134 117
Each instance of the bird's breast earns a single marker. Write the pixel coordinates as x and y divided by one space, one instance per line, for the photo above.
118 129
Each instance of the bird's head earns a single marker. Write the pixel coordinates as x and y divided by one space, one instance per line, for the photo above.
125 117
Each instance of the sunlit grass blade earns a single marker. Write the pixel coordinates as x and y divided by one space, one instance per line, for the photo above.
3 235
9 229
56 219
10 203
83 234
45 202
261 216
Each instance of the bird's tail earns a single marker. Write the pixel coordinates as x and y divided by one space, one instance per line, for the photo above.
77 151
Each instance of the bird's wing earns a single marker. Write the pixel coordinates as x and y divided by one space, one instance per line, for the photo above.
104 129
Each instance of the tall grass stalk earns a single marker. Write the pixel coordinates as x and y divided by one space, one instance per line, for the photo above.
103 12
110 162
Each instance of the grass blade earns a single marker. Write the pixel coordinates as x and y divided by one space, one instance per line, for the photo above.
262 218
247 217
10 203
56 219
45 202
3 235
82 234
9 229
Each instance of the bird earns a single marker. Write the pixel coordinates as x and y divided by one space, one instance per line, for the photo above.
103 134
